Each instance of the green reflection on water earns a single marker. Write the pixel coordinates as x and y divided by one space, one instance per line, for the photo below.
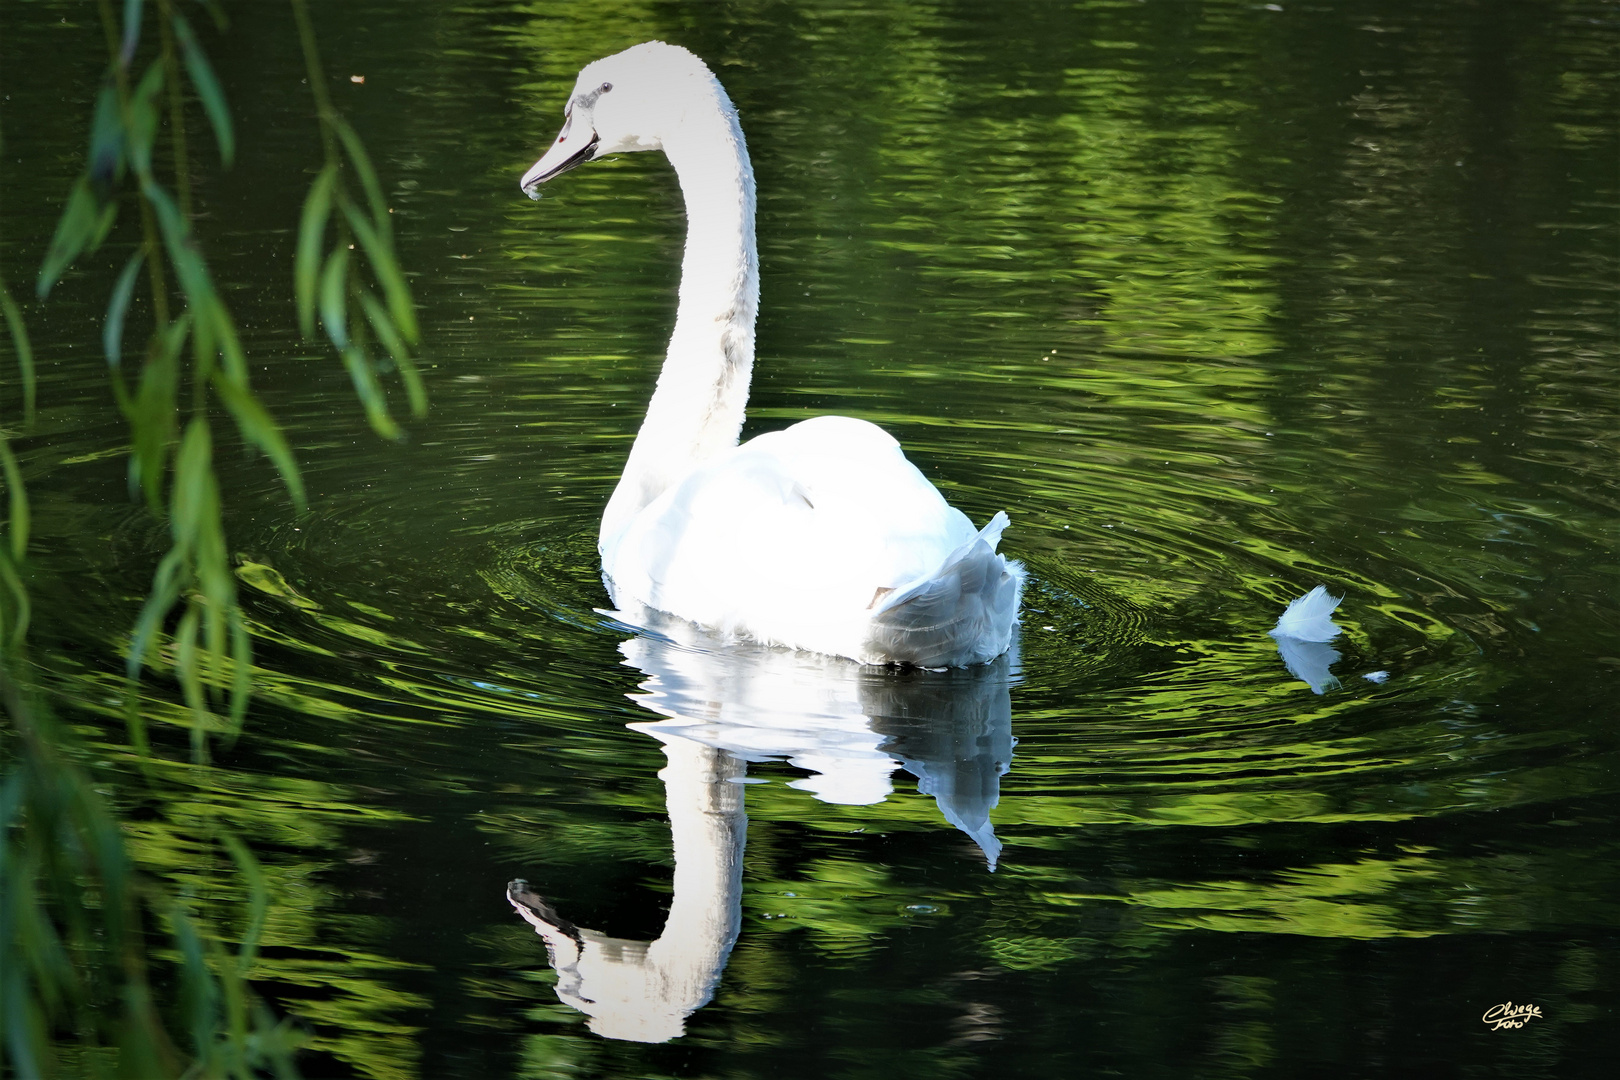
1198 292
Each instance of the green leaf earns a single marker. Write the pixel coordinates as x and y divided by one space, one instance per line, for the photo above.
26 1043
18 526
160 598
15 624
143 120
188 262
199 993
230 345
112 330
370 393
307 262
152 413
185 669
208 89
106 165
25 351
362 166
389 336
260 428
83 225
132 30
193 493
204 343
216 13
217 330
334 287
383 264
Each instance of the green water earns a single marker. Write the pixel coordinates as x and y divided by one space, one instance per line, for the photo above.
1218 302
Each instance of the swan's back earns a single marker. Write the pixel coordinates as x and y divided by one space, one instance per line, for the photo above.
824 537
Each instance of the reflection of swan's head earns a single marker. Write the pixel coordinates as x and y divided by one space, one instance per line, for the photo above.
633 100
619 1007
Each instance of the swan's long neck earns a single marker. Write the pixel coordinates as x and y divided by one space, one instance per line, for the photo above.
697 409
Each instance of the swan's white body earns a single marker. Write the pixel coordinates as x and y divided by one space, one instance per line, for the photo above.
822 536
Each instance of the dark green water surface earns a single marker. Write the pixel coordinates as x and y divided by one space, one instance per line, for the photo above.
1219 301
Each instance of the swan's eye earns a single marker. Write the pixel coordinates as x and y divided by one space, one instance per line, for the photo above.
605 88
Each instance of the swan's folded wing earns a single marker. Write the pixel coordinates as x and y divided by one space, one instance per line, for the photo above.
960 614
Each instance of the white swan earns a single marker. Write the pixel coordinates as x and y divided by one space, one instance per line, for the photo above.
820 537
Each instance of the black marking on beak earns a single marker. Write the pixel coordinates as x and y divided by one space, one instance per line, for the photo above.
561 157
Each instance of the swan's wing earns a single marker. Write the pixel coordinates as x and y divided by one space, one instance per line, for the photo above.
959 613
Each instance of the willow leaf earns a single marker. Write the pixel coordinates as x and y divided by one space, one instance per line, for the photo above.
83 225
188 262
14 626
307 262
25 350
189 501
166 585
386 267
362 167
260 428
18 499
334 290
370 393
185 670
199 993
229 342
208 89
143 120
389 336
106 165
112 329
153 414
132 30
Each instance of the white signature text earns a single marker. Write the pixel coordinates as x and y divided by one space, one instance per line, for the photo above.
1509 1015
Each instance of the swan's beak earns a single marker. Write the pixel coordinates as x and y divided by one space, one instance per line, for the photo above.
571 148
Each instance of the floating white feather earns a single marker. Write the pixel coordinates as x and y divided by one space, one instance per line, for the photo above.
1310 617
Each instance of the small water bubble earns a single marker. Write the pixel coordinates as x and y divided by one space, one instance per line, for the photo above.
921 909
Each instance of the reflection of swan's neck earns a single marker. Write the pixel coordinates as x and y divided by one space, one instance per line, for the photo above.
708 826
643 991
697 409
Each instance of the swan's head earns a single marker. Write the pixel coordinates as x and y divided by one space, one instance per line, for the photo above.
628 101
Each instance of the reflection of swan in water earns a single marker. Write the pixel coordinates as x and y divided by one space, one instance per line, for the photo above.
643 991
724 707
848 726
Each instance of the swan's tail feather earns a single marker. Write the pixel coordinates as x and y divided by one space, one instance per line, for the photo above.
962 613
